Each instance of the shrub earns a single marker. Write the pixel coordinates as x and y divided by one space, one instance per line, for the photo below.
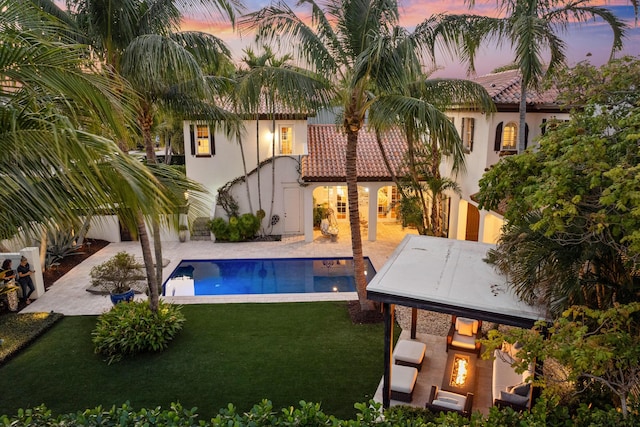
237 229
219 228
248 225
131 328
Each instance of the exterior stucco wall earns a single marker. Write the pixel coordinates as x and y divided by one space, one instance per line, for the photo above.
226 164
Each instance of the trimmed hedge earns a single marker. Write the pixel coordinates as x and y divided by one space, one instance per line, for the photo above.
310 414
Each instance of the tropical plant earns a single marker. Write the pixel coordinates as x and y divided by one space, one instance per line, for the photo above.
268 85
599 347
571 234
55 105
118 274
132 328
138 42
370 62
532 28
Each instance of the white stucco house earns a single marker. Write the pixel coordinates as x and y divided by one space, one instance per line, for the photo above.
301 165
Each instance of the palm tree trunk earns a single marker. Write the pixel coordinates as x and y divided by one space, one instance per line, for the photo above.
273 164
153 276
354 220
145 118
523 116
246 177
387 164
148 263
157 246
258 160
415 180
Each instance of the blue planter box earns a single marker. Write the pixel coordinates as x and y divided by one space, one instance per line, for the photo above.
126 297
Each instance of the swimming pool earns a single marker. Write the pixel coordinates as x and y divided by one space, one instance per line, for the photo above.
263 276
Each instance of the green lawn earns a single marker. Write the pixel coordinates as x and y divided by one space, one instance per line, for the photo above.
227 353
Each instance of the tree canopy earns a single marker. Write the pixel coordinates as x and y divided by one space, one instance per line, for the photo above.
572 233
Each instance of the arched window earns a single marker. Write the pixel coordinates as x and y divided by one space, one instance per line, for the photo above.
507 137
510 137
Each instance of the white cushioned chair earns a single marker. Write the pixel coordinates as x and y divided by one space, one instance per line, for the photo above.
463 335
446 401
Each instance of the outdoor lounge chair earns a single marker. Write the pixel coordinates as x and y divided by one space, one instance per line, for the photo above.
446 401
463 335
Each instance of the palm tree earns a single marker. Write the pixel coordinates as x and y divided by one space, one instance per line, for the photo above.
272 82
138 41
417 109
360 48
532 28
55 166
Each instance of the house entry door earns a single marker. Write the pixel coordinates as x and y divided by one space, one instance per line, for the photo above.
292 210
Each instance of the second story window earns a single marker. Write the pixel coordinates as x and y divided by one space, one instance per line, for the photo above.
510 137
202 142
468 124
286 140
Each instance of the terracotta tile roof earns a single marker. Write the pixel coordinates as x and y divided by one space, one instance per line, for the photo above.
282 111
327 150
504 88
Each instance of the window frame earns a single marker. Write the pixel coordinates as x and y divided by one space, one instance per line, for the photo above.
467 133
289 140
514 145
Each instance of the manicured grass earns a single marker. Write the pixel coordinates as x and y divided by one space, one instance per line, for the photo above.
235 353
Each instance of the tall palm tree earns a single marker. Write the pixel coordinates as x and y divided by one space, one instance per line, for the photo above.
138 41
55 166
271 82
532 28
418 109
360 48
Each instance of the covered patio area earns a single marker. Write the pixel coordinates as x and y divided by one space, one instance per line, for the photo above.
444 276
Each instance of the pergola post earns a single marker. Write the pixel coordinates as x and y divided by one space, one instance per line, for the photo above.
414 322
388 310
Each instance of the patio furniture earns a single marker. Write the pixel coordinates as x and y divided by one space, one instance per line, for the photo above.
446 401
409 353
463 335
403 381
329 225
508 387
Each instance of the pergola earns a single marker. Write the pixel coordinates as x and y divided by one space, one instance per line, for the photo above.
447 276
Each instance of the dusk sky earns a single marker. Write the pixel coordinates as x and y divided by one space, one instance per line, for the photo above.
590 41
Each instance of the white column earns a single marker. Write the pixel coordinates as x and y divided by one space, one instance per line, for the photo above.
373 211
483 217
307 212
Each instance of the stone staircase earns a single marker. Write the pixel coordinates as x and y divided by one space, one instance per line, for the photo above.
200 229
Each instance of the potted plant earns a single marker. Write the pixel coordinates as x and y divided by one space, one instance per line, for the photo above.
182 232
121 275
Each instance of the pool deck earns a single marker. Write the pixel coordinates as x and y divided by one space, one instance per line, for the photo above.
69 296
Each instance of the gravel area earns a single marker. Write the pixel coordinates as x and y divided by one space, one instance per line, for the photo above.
430 322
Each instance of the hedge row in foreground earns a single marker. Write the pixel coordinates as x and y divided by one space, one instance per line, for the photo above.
310 414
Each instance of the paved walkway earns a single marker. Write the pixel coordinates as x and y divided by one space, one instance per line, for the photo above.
69 296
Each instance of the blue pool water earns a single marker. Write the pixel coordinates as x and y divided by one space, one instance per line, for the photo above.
263 276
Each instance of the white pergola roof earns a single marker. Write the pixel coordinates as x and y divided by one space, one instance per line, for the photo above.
449 276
